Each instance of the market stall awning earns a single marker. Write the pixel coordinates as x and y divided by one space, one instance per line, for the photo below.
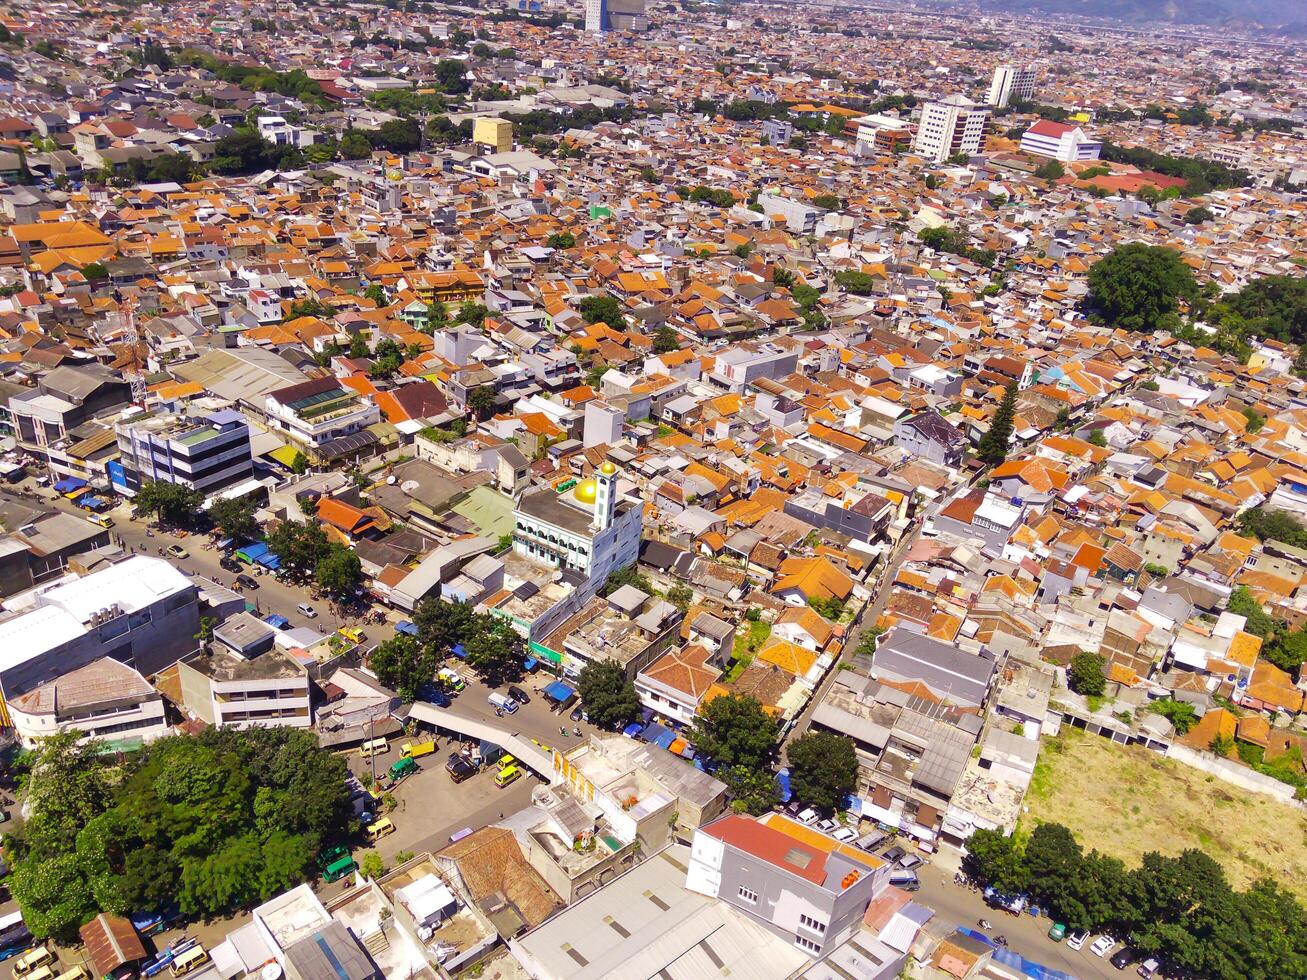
69 483
558 691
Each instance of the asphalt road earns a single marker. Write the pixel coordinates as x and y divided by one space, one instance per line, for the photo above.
959 906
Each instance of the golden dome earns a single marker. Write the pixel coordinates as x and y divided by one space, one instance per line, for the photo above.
607 468
586 491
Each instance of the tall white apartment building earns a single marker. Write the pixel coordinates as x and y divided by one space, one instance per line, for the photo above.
1011 82
949 126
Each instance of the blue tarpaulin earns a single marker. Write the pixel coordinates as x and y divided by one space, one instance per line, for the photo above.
652 731
252 551
276 622
783 781
269 559
459 652
665 739
1029 967
68 484
558 691
407 628
529 663
633 729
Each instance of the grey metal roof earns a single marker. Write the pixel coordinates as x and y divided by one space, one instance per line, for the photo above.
955 675
331 953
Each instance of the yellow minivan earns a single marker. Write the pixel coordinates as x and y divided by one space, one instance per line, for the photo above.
509 774
192 959
380 829
377 746
33 960
41 973
78 972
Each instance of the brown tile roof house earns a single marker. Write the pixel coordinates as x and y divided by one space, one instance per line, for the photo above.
112 943
494 870
686 670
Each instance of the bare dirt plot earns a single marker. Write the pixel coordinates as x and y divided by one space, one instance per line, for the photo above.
1125 801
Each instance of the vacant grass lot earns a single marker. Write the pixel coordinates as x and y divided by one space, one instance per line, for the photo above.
1126 801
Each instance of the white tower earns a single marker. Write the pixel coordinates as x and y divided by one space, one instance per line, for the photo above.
605 495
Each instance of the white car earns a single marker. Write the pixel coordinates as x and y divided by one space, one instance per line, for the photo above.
809 816
827 826
1077 939
845 835
1101 945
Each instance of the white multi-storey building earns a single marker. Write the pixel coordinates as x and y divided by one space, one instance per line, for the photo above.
951 126
314 413
1059 141
585 528
205 453
1011 82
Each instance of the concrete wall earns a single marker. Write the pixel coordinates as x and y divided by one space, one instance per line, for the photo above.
1234 774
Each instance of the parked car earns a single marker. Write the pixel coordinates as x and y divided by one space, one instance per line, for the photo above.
827 826
809 816
1057 932
307 611
578 713
177 551
894 854
1123 957
230 564
907 880
1101 945
459 768
1077 939
872 840
518 695
910 861
247 581
1148 968
845 835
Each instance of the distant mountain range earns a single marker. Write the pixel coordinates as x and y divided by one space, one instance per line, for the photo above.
1287 15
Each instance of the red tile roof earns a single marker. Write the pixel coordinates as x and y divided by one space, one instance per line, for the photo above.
772 846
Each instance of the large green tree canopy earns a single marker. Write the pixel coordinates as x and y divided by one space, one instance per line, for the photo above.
1139 287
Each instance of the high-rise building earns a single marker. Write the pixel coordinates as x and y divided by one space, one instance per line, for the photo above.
494 133
206 453
1061 141
951 126
615 15
1011 82
596 16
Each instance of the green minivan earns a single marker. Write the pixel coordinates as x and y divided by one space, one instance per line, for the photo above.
402 767
1057 933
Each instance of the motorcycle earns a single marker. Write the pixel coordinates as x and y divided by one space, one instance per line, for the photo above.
1000 940
562 731
576 730
983 923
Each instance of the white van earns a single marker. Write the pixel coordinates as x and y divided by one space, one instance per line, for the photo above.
504 703
307 611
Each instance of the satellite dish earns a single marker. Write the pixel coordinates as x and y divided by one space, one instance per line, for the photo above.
270 972
409 486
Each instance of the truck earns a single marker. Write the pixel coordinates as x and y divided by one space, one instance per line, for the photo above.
415 750
505 704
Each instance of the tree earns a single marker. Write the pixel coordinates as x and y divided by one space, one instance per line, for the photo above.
828 202
680 596
626 575
481 400
310 307
437 317
823 769
1181 714
609 697
1085 676
996 859
354 145
734 730
358 346
1242 603
494 649
234 518
403 665
338 571
1139 287
1051 171
372 866
1097 438
299 464
377 293
54 896
172 503
1198 215
451 76
397 136
561 240
389 357
752 790
858 283
1052 857
441 625
665 340
299 546
602 309
993 446
95 272
471 313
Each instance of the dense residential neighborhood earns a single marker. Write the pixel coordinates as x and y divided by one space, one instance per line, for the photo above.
787 490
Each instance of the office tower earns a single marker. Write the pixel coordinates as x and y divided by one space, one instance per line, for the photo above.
1011 82
950 126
